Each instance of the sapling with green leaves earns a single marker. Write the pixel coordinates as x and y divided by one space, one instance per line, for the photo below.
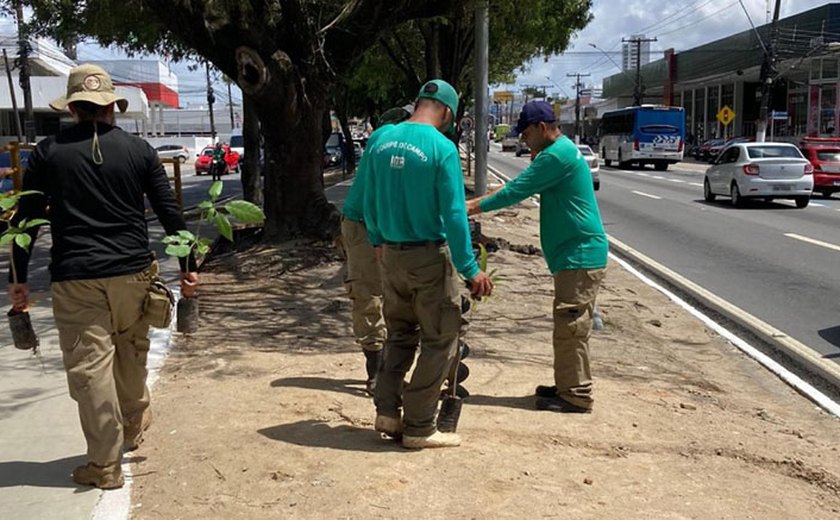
184 243
16 234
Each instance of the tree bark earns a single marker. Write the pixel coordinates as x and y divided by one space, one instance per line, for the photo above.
349 148
251 168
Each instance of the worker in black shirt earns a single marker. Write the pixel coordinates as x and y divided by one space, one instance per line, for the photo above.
92 178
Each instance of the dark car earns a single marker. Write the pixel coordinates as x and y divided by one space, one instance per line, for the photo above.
714 151
703 152
333 153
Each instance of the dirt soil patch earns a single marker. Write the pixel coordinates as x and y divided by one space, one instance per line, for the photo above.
262 414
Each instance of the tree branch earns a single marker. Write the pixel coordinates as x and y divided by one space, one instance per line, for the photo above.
409 72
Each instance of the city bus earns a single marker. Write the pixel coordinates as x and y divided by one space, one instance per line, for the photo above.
649 134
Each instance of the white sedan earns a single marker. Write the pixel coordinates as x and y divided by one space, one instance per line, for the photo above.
762 171
594 164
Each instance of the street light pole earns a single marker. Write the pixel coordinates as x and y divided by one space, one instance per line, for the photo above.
638 96
766 80
482 43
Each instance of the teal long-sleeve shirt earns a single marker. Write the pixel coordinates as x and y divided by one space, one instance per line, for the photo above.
354 203
571 231
414 192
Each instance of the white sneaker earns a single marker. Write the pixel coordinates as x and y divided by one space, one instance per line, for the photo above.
391 426
435 440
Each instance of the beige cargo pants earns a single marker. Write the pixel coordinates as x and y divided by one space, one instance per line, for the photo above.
575 293
364 286
422 309
104 343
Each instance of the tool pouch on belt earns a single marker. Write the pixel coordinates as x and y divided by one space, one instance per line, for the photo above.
157 309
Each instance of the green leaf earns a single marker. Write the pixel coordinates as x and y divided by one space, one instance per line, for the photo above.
205 204
186 235
205 242
35 223
245 212
28 192
215 190
7 203
211 215
171 239
180 251
23 240
224 227
203 250
482 258
7 238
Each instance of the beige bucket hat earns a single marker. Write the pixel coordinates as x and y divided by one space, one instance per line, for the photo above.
90 83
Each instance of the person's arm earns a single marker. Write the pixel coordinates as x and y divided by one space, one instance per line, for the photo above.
453 209
163 202
544 172
33 206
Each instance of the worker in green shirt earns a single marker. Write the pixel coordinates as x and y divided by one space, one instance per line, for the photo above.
574 245
415 211
364 279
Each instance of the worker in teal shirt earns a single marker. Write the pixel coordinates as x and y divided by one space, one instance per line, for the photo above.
416 212
574 245
364 280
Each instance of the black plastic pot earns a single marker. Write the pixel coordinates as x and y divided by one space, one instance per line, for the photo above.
188 315
22 332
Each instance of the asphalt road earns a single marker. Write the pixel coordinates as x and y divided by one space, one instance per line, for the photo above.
777 262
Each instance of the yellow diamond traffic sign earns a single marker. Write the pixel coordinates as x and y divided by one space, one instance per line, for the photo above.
726 115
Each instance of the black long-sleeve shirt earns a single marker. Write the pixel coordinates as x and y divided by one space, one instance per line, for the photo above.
96 211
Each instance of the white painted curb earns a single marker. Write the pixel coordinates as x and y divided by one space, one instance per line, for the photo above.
116 504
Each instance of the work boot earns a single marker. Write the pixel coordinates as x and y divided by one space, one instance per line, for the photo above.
373 361
133 428
558 404
102 477
546 391
390 426
435 440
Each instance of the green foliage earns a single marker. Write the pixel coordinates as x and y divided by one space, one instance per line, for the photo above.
17 234
184 242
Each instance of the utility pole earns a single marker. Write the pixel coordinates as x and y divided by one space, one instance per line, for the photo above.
638 95
482 45
23 56
18 129
767 69
230 105
578 86
211 98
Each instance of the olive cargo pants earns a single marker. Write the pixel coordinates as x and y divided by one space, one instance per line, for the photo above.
575 292
364 286
104 343
422 308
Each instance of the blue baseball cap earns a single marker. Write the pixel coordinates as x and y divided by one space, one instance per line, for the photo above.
535 112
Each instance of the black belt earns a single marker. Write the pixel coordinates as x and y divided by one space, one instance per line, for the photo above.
410 245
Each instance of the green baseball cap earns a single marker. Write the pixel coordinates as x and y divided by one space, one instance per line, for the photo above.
442 92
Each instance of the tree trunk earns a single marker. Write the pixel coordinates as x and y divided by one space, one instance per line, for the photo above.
251 168
290 110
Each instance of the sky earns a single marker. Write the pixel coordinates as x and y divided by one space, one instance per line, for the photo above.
677 24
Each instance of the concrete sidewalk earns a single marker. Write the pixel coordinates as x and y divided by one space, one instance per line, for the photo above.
41 440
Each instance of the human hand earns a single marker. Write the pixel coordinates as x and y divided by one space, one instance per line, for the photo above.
473 207
189 284
480 286
19 296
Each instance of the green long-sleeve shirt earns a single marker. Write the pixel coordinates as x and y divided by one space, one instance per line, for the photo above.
415 192
571 232
354 203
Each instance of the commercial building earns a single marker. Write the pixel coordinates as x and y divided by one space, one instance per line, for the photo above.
726 72
631 53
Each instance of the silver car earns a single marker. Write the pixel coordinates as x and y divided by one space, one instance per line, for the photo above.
594 164
765 171
173 151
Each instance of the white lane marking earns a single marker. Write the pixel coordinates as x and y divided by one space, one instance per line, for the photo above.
676 180
817 204
658 177
695 184
642 174
775 367
813 241
648 195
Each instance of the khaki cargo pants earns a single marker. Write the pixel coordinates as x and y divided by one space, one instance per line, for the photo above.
575 293
422 309
364 286
104 342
